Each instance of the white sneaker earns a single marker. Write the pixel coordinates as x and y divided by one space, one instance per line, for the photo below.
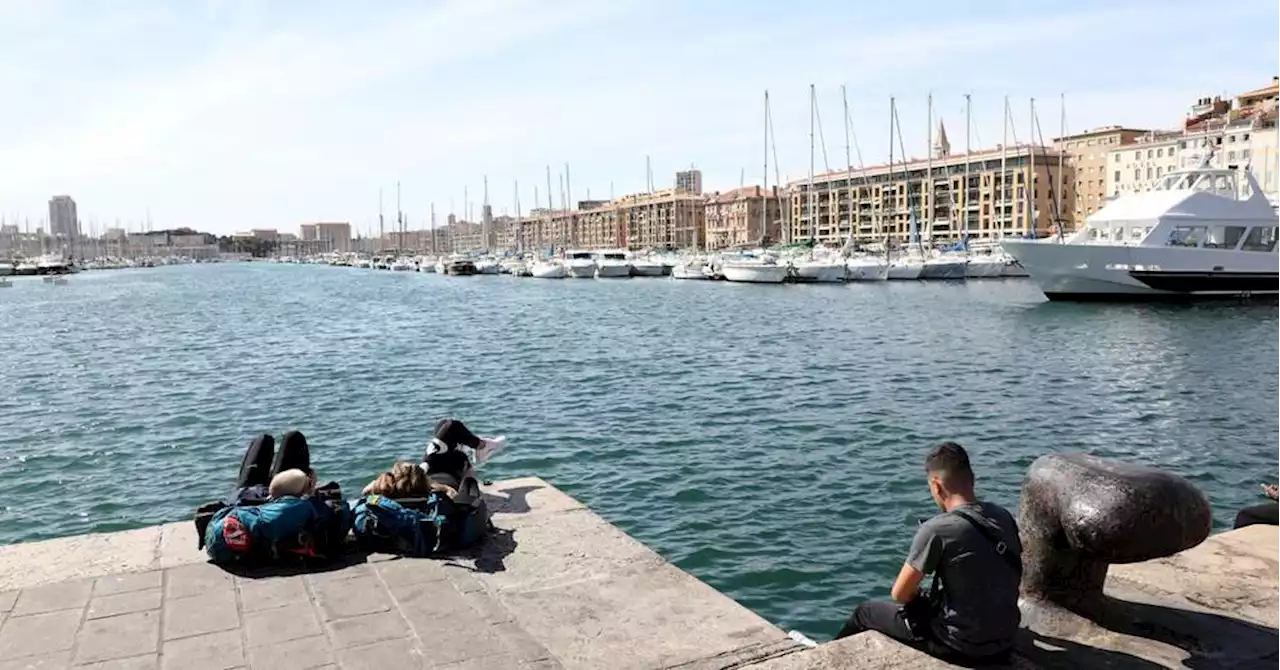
489 447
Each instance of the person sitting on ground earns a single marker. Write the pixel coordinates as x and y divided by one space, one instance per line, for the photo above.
971 613
406 480
446 463
1267 513
276 512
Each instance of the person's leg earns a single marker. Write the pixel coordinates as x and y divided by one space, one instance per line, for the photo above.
878 615
255 468
444 457
453 433
293 454
1266 513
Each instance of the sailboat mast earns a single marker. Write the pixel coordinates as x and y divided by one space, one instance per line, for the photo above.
519 218
848 160
433 229
399 220
1031 170
764 195
968 127
927 191
550 205
892 115
381 224
1062 132
1004 170
810 203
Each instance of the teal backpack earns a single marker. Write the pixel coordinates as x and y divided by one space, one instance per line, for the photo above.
280 531
418 527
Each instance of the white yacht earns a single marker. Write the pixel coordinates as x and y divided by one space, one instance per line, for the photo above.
548 269
580 264
816 270
488 266
6 269
867 268
647 266
612 264
907 266
985 266
757 270
403 265
692 268
1197 233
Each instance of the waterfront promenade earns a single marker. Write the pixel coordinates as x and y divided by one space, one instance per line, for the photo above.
555 587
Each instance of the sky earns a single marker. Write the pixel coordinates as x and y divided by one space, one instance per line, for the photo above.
225 115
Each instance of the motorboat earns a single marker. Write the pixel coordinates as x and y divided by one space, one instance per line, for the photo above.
403 265
692 268
944 266
645 266
866 268
488 266
580 264
6 269
461 267
52 264
1202 232
612 264
818 271
763 269
547 269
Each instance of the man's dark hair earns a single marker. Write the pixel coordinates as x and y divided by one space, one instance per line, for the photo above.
951 462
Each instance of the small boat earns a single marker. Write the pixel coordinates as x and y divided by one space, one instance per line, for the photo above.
905 267
403 265
944 266
612 265
867 268
547 269
488 266
693 268
755 270
647 267
6 269
818 271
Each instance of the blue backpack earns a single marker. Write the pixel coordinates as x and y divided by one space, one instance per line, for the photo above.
418 527
283 530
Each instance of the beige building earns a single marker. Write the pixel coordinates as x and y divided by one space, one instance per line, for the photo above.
672 218
689 181
878 202
307 232
1087 153
336 235
743 216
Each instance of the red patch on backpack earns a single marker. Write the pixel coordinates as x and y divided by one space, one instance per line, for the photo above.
234 534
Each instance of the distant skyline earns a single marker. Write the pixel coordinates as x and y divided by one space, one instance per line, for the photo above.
226 115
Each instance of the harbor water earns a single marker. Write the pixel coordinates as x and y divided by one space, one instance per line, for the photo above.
768 439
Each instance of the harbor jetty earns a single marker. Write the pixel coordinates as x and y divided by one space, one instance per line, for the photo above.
555 586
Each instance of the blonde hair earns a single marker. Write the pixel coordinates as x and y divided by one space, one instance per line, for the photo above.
292 482
405 480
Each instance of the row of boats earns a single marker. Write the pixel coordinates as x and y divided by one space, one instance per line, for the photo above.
760 266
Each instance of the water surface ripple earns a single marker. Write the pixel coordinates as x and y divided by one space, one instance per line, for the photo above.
766 438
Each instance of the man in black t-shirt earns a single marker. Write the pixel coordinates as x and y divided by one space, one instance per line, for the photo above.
972 550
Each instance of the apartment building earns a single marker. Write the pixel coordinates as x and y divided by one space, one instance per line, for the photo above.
671 218
1088 152
743 216
1005 191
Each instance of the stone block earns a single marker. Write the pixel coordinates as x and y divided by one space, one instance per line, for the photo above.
1080 513
178 545
197 615
196 579
118 637
407 571
38 633
124 603
440 642
273 626
518 643
382 656
368 628
215 651
524 496
301 654
866 650
64 596
344 598
56 661
271 592
7 598
147 662
140 581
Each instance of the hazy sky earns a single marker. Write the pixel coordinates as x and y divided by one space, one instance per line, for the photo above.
231 114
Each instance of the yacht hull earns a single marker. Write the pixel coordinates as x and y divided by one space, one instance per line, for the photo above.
984 268
904 271
754 274
690 271
944 268
866 271
582 270
548 271
609 270
648 269
1089 272
823 273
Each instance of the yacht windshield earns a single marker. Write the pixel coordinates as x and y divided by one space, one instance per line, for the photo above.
1217 182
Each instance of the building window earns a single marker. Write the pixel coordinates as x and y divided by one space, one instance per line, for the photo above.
1159 153
1158 171
1137 155
1244 137
1231 155
1137 175
1149 153
1148 172
1244 154
1231 139
1117 158
1182 144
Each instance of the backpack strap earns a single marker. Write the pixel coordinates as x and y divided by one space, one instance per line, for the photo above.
996 539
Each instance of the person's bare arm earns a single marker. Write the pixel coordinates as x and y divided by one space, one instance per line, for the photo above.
907 585
1271 491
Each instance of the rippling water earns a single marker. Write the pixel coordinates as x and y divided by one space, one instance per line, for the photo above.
766 438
